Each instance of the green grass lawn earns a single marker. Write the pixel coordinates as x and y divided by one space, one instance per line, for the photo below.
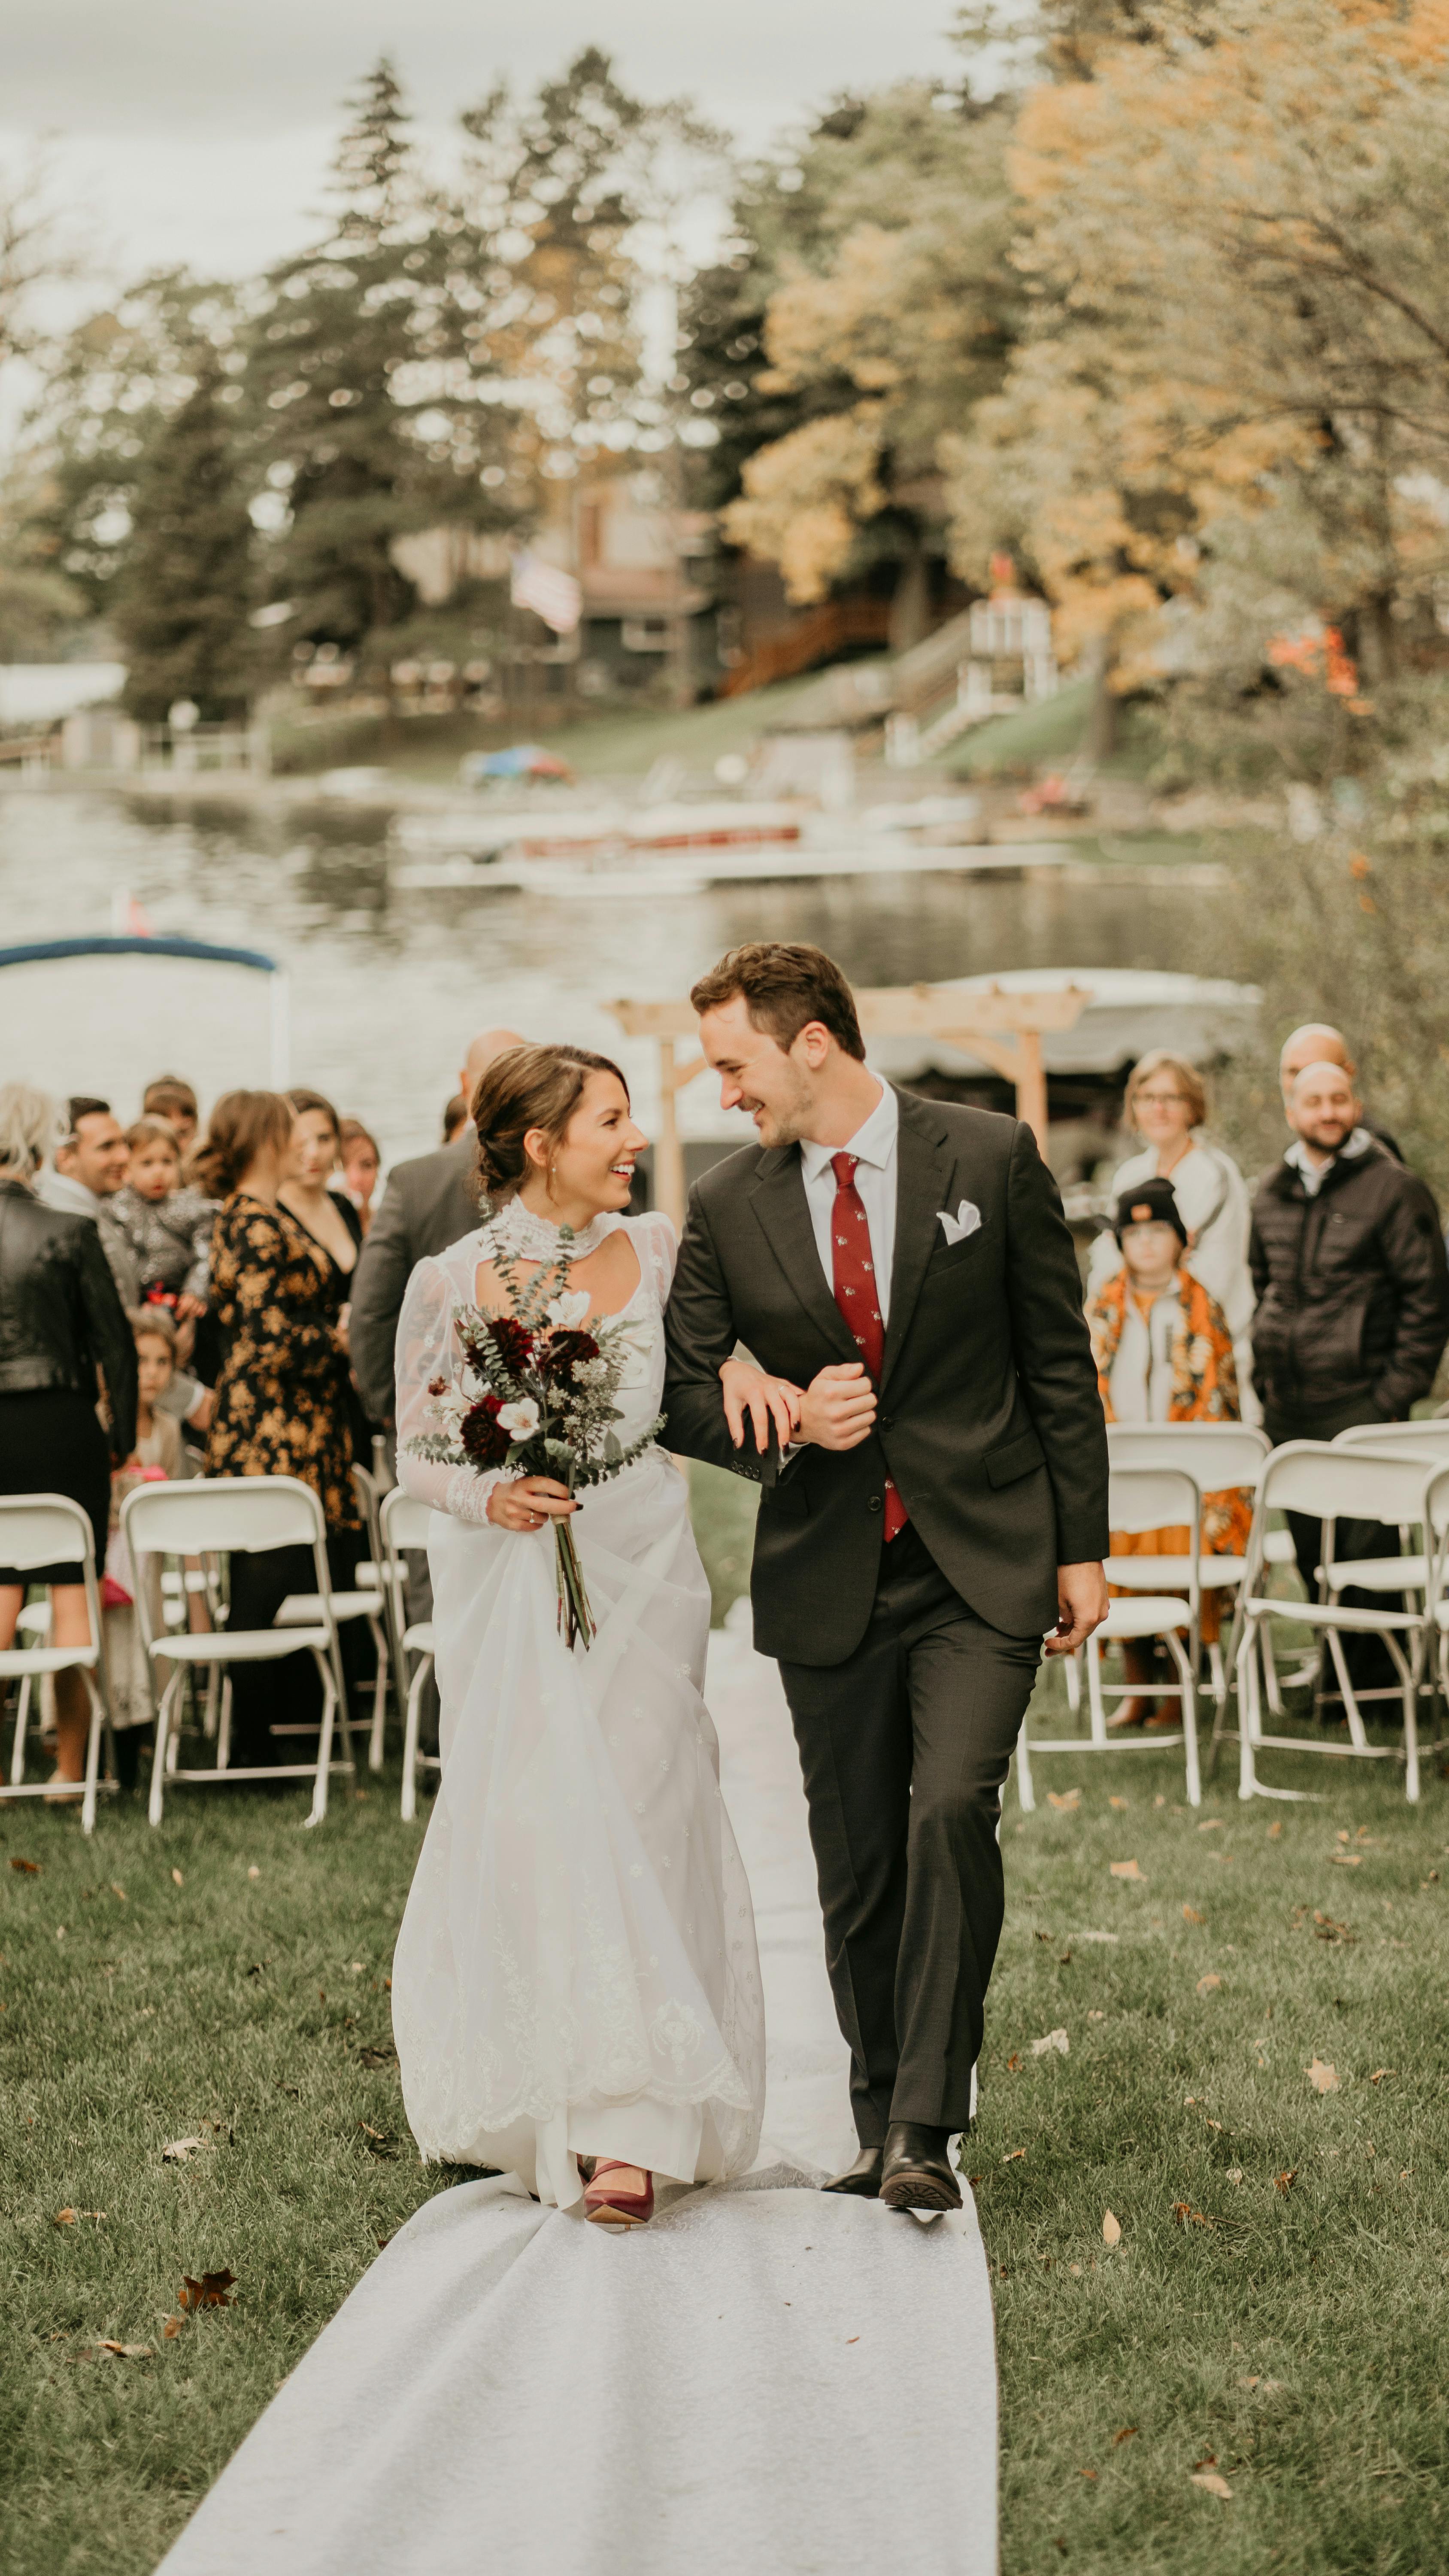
1287 2333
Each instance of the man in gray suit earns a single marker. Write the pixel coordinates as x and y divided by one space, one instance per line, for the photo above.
905 1267
428 1204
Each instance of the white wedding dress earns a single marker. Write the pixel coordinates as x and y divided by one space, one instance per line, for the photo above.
576 1971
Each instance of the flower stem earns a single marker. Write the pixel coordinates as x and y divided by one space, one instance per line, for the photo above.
575 1618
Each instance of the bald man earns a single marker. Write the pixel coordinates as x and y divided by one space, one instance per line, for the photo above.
1318 1042
428 1204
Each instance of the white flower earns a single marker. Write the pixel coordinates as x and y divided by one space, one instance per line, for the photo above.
568 1311
519 1420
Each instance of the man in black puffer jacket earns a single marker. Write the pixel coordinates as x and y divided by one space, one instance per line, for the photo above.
1353 1290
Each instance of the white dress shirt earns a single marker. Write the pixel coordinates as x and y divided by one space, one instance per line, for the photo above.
874 1147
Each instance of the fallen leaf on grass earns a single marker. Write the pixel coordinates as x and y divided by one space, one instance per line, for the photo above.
1380 2072
176 1878
1186 2216
1064 1799
379 2141
1208 1985
30 1867
1121 1804
1128 2433
1212 2484
1124 1869
253 1871
1347 1860
1325 1929
1322 2076
1015 2156
128 2351
118 1890
1111 2230
1096 2016
171 2329
1235 2174
209 2292
1054 2039
1269 2387
1285 2181
1190 1914
382 2053
181 2150
1275 1829
1432 1880
1214 1825
1013 2066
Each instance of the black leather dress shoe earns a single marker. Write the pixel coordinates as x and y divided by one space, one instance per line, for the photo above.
860 2181
915 2172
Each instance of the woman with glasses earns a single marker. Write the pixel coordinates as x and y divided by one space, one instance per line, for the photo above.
1167 1104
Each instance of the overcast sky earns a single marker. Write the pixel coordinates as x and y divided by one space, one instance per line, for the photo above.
198 132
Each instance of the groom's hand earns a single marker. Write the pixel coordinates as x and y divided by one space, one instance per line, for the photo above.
1082 1605
837 1410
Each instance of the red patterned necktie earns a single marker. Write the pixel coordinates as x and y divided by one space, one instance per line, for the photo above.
857 1294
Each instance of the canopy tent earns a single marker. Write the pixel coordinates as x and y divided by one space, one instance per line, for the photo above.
108 1012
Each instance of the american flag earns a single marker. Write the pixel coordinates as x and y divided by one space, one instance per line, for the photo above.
552 595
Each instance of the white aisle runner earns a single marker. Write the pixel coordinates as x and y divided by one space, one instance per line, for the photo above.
763 2380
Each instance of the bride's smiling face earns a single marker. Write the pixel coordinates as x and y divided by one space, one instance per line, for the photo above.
591 1166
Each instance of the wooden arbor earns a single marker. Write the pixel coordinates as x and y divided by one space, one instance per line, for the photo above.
1003 1030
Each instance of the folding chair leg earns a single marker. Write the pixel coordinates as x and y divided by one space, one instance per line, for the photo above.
1073 1679
414 1720
158 1759
1025 1790
93 1758
1096 1711
1249 1722
223 1730
1187 1696
1270 1673
324 1741
1351 1708
379 1697
1409 1674
17 1750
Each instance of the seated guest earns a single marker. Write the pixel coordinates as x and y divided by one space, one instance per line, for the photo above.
1164 1354
168 1226
170 1098
361 1163
62 1327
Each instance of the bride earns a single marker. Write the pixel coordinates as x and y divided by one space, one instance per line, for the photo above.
576 1974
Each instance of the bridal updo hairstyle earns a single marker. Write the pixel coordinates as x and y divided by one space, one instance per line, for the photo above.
527 1087
242 1125
784 985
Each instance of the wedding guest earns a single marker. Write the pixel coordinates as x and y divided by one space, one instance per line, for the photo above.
327 1214
170 1098
88 1166
158 1453
62 1328
427 1205
455 1117
1166 1102
282 1398
1318 1042
1164 1354
361 1163
166 1225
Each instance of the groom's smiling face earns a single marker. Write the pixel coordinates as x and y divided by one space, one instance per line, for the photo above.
778 1089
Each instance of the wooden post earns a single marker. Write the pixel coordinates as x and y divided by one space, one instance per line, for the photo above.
668 1152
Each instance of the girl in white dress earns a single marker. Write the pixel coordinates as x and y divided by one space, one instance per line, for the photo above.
576 1973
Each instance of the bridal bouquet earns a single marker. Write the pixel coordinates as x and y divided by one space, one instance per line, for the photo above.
535 1397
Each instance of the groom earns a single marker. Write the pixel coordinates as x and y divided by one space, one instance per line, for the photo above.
906 1264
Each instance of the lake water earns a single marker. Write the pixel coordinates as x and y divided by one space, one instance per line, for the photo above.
387 986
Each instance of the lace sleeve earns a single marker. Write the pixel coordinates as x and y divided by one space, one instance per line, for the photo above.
658 1246
427 1348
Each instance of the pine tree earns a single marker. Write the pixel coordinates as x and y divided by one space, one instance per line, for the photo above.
180 597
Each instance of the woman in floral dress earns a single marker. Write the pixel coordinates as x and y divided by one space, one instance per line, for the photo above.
282 1396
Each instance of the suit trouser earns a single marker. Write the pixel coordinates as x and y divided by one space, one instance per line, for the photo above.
903 1749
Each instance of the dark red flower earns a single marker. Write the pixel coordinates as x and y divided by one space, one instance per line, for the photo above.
564 1353
480 1435
512 1341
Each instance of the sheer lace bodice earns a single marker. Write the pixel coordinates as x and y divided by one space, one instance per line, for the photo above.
428 1348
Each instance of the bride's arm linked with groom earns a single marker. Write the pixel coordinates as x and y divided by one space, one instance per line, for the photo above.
904 1268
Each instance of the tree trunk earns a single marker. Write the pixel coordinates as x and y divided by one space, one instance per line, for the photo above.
911 605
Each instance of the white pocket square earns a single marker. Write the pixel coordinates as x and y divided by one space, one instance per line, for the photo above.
967 1220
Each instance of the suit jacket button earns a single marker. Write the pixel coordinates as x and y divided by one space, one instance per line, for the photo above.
876 1503
885 1423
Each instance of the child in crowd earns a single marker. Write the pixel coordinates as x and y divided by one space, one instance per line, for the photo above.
167 1226
159 1456
1164 1354
170 1098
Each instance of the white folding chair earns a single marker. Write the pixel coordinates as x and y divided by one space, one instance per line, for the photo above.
1218 1456
405 1523
366 1601
199 1518
1140 1498
50 1529
1409 1570
1436 1601
388 1582
1327 1482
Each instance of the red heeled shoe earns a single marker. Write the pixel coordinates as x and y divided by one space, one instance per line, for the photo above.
611 2201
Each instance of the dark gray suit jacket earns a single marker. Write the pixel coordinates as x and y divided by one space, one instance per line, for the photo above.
428 1204
990 1420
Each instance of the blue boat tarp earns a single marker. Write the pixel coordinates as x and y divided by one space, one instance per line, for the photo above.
201 951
